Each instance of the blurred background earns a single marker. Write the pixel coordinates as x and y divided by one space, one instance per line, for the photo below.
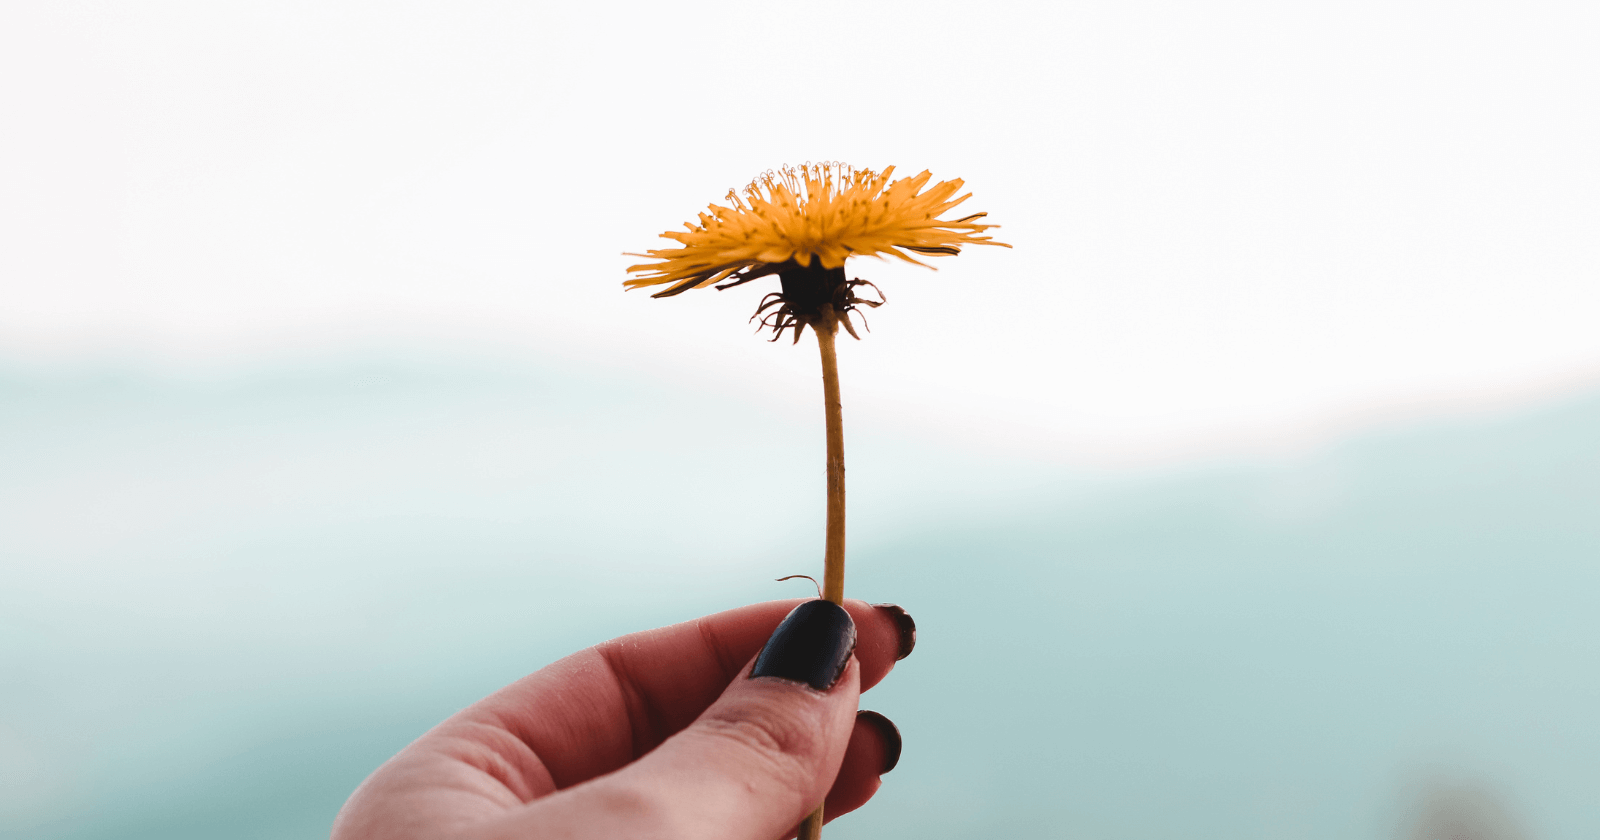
1254 494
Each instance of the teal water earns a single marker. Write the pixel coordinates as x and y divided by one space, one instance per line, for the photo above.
223 603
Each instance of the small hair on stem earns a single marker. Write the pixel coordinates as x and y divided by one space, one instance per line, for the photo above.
807 577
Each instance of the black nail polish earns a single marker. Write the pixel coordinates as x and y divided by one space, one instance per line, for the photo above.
891 737
908 628
812 645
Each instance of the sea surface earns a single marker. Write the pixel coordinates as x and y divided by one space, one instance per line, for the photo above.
223 602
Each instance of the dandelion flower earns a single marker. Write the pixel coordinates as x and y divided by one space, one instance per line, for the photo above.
802 223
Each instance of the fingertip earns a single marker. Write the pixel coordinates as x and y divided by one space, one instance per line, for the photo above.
888 737
874 750
886 634
905 624
812 645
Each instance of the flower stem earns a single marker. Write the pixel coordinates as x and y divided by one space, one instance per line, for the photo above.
833 551
811 826
826 328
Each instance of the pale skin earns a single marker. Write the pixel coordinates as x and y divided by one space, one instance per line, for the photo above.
658 735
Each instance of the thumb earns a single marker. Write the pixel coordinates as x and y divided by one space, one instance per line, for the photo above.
751 766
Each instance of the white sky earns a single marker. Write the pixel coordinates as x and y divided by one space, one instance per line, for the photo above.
1235 224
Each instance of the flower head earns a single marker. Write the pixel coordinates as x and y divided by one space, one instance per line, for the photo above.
802 223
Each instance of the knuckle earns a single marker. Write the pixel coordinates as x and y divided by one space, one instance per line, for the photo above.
635 806
631 805
781 746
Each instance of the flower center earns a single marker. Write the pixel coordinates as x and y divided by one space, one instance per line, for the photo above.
807 288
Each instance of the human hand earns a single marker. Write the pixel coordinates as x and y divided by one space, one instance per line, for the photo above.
658 735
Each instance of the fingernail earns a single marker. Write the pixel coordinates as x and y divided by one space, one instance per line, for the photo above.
908 628
891 737
812 645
